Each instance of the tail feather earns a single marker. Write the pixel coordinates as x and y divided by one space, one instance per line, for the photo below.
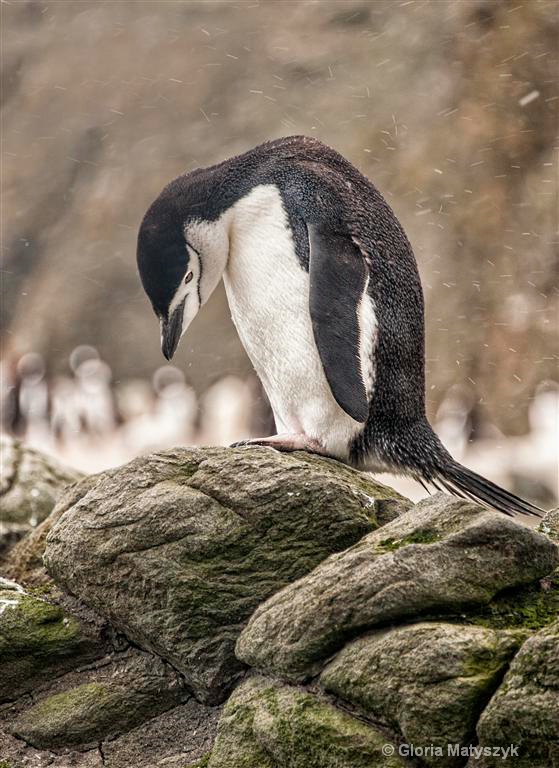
415 449
468 484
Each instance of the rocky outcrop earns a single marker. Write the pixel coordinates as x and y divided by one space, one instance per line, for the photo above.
440 557
266 724
177 550
113 700
340 623
30 483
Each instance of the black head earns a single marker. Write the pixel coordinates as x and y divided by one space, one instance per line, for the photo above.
162 254
181 257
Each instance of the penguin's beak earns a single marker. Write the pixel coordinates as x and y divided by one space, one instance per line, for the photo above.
171 330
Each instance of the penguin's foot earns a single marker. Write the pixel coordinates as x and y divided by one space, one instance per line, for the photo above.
285 443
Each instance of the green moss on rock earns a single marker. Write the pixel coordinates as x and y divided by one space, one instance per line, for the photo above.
269 725
418 537
525 709
439 557
427 681
34 624
198 539
78 716
117 697
203 762
531 607
38 639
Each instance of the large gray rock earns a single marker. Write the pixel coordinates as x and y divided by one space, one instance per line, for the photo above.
427 681
411 626
266 724
525 709
177 549
440 556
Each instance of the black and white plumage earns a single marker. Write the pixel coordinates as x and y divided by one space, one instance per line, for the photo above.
324 291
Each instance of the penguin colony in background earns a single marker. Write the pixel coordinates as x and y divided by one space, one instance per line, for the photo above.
325 294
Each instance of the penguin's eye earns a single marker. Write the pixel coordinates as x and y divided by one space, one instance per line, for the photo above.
188 277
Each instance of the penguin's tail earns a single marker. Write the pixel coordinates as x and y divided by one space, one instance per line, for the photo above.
461 481
417 450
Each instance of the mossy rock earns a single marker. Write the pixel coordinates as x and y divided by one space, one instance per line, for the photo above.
39 640
525 709
266 724
444 556
417 537
203 762
129 691
428 681
530 607
24 562
178 548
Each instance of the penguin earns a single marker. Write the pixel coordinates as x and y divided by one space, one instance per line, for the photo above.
325 293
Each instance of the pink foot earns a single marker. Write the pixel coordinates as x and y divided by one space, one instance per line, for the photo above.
285 443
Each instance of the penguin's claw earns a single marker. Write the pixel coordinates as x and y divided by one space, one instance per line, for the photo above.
242 444
284 443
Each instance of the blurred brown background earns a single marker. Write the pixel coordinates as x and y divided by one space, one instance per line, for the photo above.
449 107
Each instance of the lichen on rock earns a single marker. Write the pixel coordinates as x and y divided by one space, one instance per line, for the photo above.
376 622
525 709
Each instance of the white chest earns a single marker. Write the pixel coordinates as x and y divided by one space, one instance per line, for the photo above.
268 293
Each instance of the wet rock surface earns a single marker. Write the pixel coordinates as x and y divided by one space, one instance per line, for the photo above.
370 623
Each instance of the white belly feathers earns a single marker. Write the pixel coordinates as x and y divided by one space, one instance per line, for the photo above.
268 293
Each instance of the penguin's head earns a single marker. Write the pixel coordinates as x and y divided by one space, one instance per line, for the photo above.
181 258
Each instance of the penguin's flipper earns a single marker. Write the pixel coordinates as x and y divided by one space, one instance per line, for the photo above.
338 276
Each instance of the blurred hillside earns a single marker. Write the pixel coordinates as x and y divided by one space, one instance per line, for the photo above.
449 107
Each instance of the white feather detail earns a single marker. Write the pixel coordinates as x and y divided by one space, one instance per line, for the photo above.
268 293
368 332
